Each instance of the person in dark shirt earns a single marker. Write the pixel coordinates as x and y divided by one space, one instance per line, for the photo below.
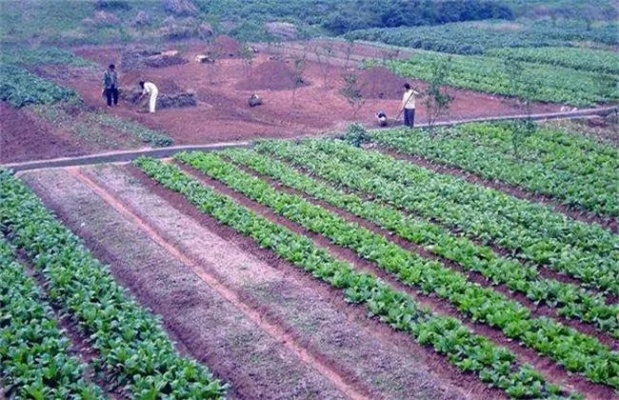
110 85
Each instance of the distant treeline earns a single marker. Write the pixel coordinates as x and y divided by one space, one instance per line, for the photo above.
338 17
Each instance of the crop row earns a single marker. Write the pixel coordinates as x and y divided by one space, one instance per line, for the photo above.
19 88
43 56
569 57
581 180
132 344
528 230
545 143
481 37
467 351
35 359
536 82
571 300
584 354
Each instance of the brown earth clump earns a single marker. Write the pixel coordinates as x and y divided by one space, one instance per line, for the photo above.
227 46
380 83
271 75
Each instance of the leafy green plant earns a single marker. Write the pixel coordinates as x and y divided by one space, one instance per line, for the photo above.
35 354
356 135
575 171
132 344
142 133
19 88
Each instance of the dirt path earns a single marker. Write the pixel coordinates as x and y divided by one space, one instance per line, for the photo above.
251 313
129 155
206 325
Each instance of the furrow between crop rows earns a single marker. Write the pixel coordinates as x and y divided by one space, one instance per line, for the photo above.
469 352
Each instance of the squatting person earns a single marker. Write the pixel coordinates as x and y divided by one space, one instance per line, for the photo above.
149 88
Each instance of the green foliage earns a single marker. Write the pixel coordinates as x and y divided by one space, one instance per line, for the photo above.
437 99
550 162
487 74
142 133
482 304
356 135
19 88
495 366
577 58
530 231
472 38
132 344
43 56
35 354
571 300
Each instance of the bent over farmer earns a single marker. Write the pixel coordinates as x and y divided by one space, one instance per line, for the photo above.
408 105
110 85
151 89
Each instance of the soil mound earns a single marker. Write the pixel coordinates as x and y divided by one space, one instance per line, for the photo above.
227 46
380 83
271 75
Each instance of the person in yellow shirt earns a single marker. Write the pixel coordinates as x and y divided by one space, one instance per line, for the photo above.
408 105
149 88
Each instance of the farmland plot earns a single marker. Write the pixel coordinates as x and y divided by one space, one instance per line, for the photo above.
461 283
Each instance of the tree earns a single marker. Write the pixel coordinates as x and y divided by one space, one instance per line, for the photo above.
352 92
297 76
437 100
248 55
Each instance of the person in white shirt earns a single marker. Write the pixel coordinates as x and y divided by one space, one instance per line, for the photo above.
150 88
408 105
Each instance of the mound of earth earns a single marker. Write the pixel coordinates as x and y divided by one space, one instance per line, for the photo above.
271 75
227 46
380 83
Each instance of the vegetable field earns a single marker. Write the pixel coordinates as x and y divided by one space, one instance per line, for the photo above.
505 292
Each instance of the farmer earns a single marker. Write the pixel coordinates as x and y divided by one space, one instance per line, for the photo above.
381 118
110 85
149 88
408 105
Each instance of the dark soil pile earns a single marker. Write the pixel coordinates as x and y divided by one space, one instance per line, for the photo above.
271 75
131 60
164 61
380 83
177 100
172 100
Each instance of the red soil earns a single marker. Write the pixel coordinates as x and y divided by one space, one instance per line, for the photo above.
223 115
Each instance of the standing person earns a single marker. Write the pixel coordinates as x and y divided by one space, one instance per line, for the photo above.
110 85
149 88
408 105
